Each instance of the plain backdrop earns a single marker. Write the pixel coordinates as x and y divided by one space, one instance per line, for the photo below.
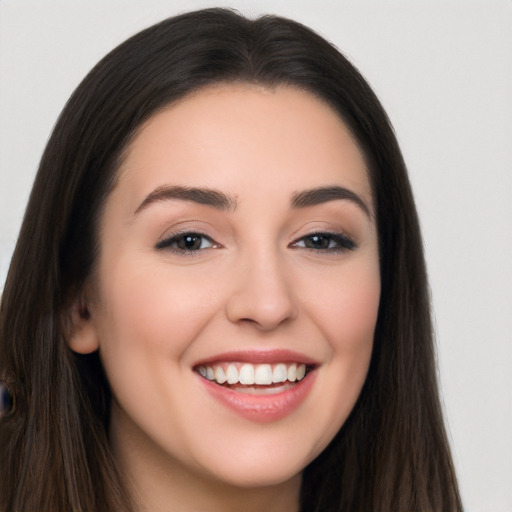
443 71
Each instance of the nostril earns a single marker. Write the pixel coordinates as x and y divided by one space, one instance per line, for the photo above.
267 322
262 296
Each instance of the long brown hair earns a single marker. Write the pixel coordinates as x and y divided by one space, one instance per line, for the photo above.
391 454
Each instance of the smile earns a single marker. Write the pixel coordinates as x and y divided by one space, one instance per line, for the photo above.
258 386
247 374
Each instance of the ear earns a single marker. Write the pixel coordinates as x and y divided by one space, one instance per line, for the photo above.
83 337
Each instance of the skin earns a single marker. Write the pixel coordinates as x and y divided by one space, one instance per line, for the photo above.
255 284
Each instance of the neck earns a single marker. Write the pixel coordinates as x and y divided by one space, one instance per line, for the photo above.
160 483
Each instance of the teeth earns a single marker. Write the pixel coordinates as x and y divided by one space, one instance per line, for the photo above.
263 374
279 374
219 375
232 374
246 376
292 373
250 374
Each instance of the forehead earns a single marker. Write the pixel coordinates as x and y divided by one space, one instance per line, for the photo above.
230 135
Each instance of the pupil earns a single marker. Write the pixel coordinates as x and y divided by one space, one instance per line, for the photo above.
318 242
191 242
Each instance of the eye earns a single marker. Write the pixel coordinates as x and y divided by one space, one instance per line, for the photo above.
327 242
187 242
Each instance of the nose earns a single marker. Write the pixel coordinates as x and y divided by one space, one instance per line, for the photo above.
262 293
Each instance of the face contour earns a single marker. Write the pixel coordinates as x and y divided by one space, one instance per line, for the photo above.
239 244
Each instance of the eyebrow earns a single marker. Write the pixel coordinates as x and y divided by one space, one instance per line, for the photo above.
321 195
204 196
224 202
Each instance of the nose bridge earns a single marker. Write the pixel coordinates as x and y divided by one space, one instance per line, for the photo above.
262 291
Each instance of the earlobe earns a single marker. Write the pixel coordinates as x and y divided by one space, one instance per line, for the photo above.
83 337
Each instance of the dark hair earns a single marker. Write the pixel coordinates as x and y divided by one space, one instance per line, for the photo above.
391 454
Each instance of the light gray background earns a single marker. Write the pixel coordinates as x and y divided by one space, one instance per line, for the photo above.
443 71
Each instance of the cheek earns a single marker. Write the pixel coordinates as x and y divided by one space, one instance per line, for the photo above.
143 307
148 317
347 318
350 308
353 327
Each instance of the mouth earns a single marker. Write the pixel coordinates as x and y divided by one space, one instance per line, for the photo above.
255 379
259 386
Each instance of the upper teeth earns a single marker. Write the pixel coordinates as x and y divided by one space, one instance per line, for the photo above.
247 374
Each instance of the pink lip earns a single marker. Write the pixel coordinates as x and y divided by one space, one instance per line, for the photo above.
261 408
259 357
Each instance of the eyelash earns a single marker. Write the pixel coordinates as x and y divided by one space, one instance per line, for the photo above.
342 242
168 243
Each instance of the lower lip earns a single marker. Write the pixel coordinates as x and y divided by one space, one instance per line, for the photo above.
262 408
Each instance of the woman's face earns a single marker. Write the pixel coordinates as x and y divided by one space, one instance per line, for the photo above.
239 244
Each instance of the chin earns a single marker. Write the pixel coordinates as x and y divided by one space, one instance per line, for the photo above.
251 476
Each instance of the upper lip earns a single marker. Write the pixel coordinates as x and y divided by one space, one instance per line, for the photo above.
259 357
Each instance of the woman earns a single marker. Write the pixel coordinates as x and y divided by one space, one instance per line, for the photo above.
218 299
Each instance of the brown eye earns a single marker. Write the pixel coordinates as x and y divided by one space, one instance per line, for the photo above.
318 242
328 242
186 242
189 242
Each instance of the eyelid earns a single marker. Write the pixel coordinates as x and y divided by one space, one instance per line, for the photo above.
166 242
345 242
